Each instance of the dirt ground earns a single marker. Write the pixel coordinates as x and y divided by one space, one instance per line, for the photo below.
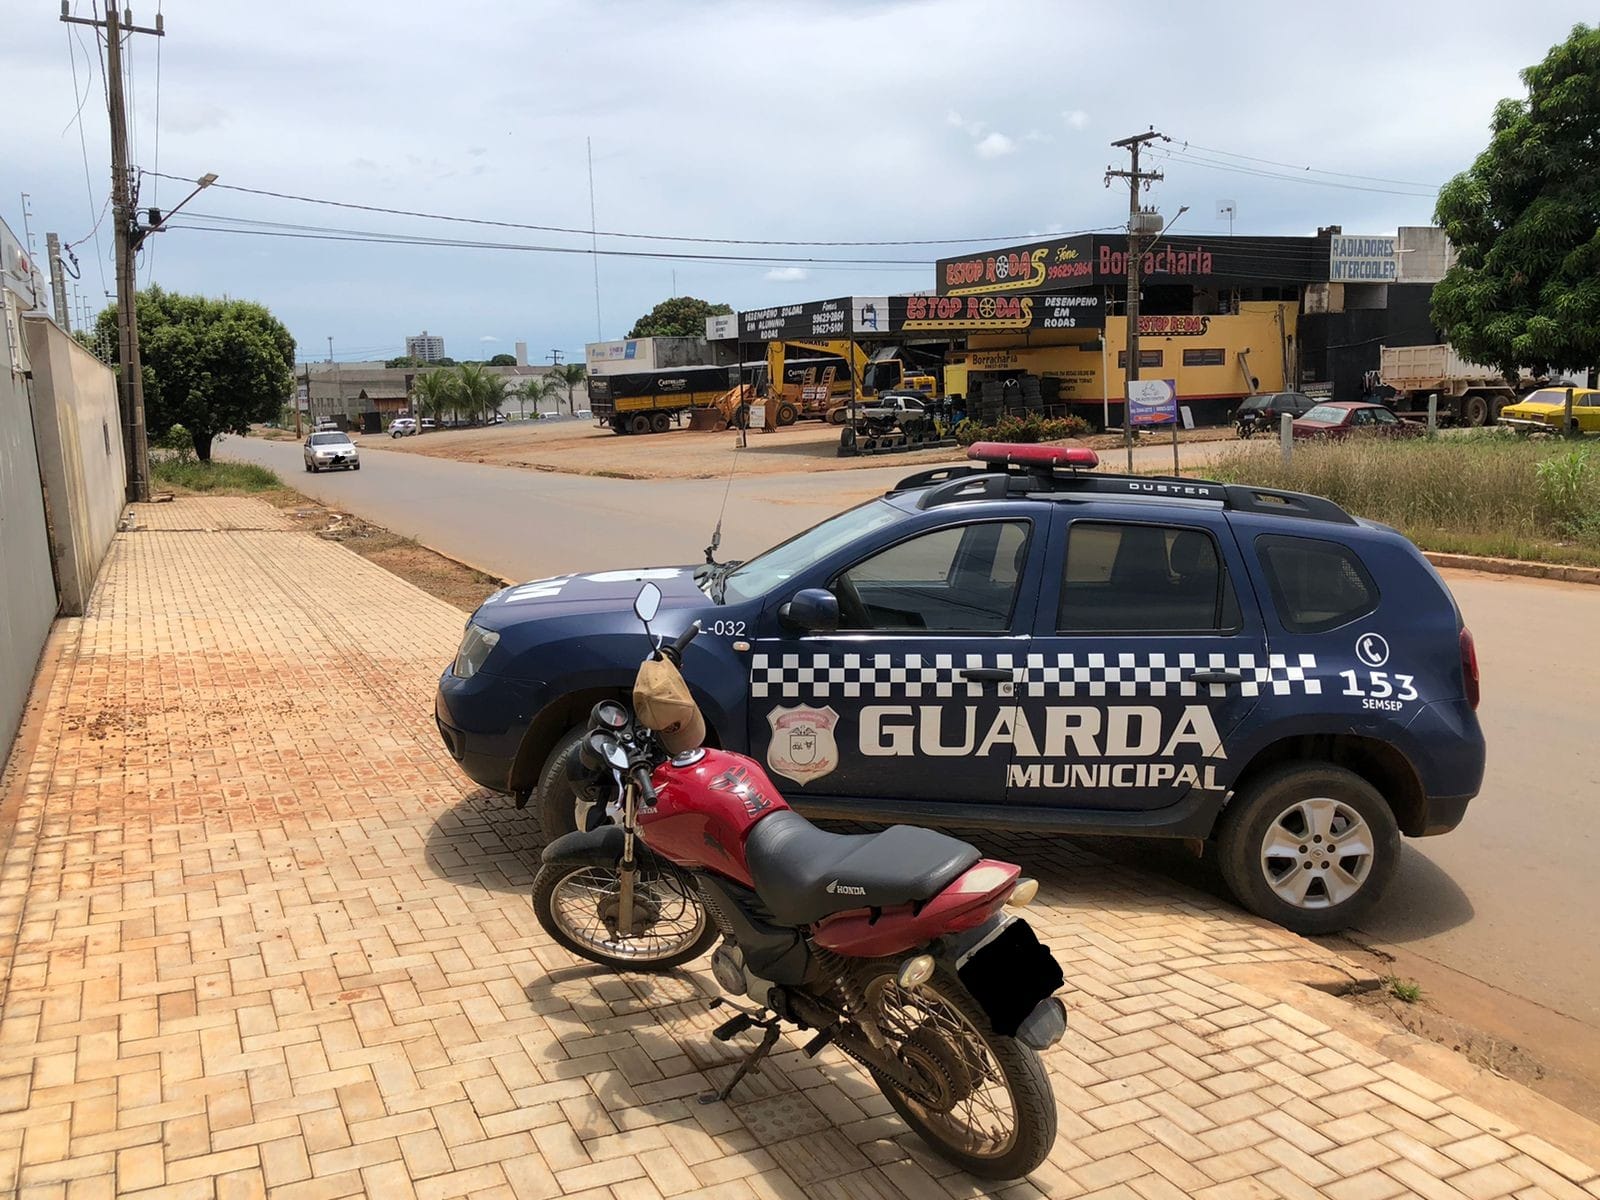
578 448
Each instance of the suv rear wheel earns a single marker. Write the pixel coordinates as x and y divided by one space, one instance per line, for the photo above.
1309 847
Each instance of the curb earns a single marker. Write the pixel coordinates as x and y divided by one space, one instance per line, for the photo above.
1514 566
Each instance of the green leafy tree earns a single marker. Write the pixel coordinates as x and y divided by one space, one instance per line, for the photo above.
536 389
569 376
212 366
480 392
503 360
405 360
433 393
444 362
681 316
1525 222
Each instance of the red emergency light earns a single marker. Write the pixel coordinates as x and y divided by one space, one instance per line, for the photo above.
1022 454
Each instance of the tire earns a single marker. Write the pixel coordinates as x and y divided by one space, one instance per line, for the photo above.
1016 1067
1271 807
639 424
564 890
1475 411
836 415
660 422
357 467
558 801
788 414
308 468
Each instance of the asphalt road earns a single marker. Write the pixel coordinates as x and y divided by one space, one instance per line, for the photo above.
1505 899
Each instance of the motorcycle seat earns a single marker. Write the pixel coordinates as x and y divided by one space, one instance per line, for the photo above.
803 873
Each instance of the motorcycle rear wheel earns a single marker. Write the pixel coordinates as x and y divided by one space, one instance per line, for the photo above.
576 905
987 1106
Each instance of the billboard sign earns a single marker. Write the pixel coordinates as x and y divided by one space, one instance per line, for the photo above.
992 314
1356 259
798 322
1152 402
869 314
722 328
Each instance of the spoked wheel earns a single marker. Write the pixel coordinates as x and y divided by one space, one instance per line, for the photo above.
981 1100
581 907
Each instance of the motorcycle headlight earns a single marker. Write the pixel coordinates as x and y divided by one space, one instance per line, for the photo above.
475 646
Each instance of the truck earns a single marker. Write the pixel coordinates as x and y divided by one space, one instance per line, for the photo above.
653 401
630 356
820 379
1469 393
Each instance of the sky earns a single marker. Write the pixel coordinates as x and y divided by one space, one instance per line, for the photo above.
985 121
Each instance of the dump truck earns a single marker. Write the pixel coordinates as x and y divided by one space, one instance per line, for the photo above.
1469 393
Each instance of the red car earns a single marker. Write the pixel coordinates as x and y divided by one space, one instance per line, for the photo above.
1337 420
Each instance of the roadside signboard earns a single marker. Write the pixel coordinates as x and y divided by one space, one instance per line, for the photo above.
1354 259
1152 402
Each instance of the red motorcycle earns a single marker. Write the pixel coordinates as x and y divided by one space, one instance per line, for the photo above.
902 948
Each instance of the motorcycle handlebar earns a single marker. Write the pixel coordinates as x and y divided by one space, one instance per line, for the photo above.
675 649
647 791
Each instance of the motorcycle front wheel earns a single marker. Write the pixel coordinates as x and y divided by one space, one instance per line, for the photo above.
580 907
983 1101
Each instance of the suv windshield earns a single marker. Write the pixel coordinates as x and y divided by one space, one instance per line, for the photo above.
328 439
780 564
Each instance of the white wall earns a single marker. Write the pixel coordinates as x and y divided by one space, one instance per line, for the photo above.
78 433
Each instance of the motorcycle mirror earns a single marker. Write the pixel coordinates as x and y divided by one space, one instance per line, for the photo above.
616 756
647 603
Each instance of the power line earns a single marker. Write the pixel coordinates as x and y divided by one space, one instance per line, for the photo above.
1318 170
649 237
1236 169
83 144
326 233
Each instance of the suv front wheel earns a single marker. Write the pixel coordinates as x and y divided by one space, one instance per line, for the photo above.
1309 847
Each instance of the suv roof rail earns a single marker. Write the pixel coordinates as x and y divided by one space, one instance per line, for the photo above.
955 485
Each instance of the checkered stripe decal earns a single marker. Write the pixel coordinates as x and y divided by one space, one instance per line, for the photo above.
819 676
914 676
1073 675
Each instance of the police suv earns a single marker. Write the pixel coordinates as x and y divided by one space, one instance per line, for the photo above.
1024 644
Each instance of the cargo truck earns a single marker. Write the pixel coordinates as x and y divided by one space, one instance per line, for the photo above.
1469 393
652 401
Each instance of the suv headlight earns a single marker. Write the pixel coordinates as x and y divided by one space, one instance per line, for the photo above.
475 646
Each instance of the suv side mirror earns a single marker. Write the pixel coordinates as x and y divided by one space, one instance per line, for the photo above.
811 610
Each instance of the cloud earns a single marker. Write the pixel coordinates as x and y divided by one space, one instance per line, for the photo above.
1076 118
1034 135
995 145
787 274
973 129
488 337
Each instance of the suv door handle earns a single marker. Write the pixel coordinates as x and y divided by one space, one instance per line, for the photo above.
987 674
1215 677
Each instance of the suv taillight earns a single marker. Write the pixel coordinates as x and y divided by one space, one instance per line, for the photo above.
1469 666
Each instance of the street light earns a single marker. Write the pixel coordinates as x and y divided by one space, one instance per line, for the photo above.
157 218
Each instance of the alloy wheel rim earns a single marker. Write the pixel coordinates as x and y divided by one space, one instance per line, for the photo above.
1317 853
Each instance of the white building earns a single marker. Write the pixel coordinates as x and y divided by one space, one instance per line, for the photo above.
425 347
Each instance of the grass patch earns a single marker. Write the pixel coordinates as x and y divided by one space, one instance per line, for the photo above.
1403 989
1484 494
212 478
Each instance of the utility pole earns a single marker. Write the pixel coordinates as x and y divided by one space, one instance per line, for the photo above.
308 402
131 377
58 281
1140 222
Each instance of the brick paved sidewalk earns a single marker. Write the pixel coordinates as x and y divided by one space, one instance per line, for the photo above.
256 935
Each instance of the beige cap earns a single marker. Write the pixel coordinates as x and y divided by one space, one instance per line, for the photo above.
662 702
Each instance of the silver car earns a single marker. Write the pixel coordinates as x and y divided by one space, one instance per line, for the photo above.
327 450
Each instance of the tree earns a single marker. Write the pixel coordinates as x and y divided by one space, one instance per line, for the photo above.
405 360
681 316
569 376
444 362
1525 223
503 360
212 366
432 394
480 392
536 389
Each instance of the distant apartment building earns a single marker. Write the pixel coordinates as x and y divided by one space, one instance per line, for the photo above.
425 347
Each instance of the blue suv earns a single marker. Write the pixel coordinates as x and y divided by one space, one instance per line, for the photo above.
1025 644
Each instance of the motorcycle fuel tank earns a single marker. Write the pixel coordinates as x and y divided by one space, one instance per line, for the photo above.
706 802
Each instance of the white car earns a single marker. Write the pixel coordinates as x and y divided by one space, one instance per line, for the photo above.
324 451
402 427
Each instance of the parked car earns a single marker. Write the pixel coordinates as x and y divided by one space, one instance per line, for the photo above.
403 427
1545 411
1015 645
1342 419
327 425
1267 408
324 451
